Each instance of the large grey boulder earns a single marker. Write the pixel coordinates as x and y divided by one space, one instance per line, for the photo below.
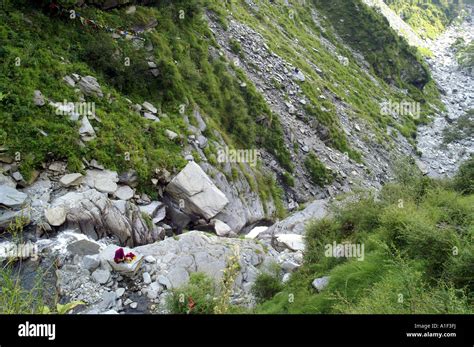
11 197
199 193
297 222
245 206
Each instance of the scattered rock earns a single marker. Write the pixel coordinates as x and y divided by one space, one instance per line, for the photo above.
221 228
147 106
171 134
55 216
38 98
119 292
17 176
90 87
293 242
72 179
146 278
321 283
90 262
130 178
124 193
101 276
86 128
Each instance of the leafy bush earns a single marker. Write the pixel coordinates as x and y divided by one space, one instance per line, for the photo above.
418 254
266 286
318 172
235 46
464 179
197 297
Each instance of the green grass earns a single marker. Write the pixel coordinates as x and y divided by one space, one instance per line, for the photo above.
290 37
427 18
190 76
320 175
418 253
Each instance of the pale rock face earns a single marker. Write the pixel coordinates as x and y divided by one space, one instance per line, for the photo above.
296 223
89 86
104 181
196 251
293 242
321 283
200 194
221 228
55 216
124 193
11 197
72 179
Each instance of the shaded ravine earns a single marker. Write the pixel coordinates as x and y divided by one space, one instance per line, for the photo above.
457 93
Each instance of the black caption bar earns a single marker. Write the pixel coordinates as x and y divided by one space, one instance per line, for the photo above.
453 330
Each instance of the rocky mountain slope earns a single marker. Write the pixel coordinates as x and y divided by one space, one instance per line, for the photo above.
185 132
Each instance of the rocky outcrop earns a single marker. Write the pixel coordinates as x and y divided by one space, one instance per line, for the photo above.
10 197
159 267
95 215
199 194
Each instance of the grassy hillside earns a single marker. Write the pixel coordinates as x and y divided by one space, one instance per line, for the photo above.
418 252
427 18
40 47
296 33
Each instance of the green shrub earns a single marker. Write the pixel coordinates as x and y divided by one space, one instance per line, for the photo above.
197 297
402 290
288 179
235 46
266 286
418 254
464 179
320 175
